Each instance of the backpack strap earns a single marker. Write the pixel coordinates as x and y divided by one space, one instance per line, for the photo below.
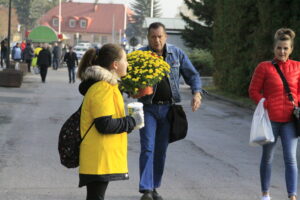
79 109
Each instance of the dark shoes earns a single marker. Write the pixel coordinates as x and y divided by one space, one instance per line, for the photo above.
156 196
147 195
151 195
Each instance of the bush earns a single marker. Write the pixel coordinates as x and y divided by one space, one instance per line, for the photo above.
203 61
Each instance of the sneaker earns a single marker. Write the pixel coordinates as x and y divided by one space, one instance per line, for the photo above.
265 198
147 195
156 196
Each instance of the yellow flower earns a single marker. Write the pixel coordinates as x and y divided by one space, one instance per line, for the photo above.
145 68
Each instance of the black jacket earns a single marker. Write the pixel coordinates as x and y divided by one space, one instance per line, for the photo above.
70 59
27 54
44 58
56 52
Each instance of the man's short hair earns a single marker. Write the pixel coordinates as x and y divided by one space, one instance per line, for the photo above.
156 25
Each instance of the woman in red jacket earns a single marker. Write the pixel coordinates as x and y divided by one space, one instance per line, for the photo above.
266 83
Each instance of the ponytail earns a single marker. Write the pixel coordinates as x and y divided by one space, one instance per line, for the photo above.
86 61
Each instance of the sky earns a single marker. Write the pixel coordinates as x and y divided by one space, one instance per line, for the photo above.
169 7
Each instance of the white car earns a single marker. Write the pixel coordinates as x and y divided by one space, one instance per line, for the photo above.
80 50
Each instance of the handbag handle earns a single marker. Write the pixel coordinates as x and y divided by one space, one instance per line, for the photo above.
285 83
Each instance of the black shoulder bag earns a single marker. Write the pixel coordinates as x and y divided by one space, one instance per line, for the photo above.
296 111
178 123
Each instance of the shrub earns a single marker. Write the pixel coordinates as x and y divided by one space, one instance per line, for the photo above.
203 61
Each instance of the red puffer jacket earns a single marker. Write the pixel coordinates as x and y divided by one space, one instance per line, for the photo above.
267 83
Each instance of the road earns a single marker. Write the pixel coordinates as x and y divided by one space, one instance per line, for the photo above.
214 162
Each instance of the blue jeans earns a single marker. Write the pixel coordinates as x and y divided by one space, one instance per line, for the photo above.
154 139
55 63
289 140
71 71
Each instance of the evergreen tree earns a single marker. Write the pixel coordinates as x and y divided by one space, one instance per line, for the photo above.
142 9
235 24
198 34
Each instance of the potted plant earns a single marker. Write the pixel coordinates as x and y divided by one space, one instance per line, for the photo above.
145 69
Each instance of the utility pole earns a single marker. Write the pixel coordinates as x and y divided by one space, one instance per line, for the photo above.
8 36
113 29
151 11
59 17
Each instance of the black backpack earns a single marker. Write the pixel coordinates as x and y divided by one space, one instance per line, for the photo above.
70 139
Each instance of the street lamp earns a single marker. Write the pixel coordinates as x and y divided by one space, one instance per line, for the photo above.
8 37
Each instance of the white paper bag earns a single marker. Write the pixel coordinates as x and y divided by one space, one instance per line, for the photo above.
261 129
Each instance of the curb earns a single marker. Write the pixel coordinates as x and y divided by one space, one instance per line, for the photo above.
222 98
237 103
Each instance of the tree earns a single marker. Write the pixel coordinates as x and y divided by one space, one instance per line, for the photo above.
29 11
198 33
142 9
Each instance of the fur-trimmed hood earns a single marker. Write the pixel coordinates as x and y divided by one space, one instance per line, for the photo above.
94 74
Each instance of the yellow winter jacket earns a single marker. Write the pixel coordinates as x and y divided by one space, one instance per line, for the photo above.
102 154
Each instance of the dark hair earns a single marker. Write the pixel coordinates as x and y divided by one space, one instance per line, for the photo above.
156 25
104 57
284 34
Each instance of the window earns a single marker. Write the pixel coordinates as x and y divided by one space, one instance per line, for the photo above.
104 40
96 38
83 23
72 23
55 21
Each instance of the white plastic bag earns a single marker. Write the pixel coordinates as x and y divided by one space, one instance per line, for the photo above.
36 70
261 129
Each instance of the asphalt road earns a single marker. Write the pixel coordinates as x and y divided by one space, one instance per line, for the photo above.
214 162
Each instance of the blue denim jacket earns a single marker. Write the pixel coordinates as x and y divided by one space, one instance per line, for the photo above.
180 65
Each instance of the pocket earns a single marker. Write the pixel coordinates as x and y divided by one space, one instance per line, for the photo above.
175 68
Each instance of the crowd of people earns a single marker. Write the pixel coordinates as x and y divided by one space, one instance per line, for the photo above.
40 56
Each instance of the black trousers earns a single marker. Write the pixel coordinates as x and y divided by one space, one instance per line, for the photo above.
29 64
43 71
96 190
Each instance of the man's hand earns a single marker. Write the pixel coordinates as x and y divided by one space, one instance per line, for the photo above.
196 101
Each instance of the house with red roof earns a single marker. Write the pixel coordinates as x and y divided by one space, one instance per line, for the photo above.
95 23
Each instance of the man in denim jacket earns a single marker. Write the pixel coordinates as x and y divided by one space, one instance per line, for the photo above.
154 137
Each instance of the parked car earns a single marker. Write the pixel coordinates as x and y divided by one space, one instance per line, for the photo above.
80 50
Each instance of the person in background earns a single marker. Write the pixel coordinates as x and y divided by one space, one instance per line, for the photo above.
154 137
71 60
44 61
63 52
56 52
103 152
23 45
16 53
266 83
27 55
3 51
37 49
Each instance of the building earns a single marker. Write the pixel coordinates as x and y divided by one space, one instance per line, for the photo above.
174 27
15 33
89 22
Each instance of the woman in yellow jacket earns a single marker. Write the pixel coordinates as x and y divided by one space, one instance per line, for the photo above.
103 152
